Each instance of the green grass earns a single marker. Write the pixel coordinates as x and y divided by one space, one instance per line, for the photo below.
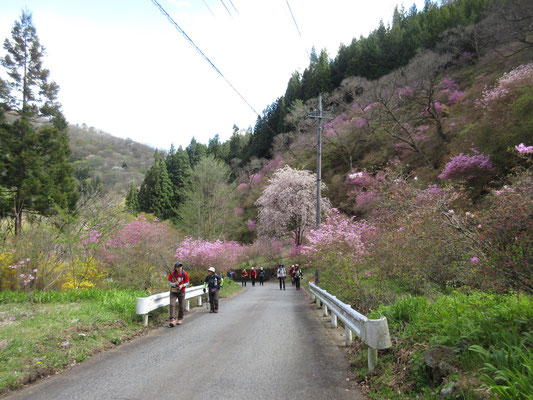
489 332
44 332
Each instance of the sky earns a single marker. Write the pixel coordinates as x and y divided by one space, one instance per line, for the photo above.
123 68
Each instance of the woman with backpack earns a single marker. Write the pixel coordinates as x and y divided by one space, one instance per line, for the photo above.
244 277
281 276
178 281
212 283
297 275
261 276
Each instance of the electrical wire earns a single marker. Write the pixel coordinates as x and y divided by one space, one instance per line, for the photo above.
224 4
171 20
296 25
231 2
208 8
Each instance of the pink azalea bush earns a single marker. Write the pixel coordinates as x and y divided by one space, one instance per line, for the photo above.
338 234
200 253
477 167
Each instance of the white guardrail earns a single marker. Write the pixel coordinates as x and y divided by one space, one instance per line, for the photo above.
373 332
155 301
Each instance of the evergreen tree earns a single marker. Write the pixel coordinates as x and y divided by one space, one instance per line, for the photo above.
196 152
35 170
27 90
132 200
155 193
179 171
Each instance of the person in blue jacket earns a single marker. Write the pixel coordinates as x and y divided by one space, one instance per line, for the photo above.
212 283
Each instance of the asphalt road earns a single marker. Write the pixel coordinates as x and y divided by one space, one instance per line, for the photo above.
263 344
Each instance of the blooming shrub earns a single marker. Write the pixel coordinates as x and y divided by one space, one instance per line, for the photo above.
523 149
133 254
477 167
221 254
340 234
519 77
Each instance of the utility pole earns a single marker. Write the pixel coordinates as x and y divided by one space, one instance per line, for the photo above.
319 116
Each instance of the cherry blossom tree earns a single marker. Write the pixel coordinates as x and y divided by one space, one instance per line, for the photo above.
287 206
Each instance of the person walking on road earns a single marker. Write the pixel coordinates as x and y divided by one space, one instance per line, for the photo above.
297 275
253 275
261 276
213 283
178 281
281 276
244 277
291 272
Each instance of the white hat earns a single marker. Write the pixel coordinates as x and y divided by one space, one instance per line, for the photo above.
211 269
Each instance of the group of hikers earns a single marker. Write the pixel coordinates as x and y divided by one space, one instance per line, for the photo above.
179 280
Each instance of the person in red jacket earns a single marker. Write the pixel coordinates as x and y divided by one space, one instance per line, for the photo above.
291 272
253 275
244 277
178 281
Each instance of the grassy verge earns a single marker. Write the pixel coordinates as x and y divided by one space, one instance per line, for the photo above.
229 288
44 332
488 336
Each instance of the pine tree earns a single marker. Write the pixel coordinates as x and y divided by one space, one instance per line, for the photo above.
155 194
35 170
179 172
132 199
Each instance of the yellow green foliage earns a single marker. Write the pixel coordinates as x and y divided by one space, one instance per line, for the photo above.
8 275
82 274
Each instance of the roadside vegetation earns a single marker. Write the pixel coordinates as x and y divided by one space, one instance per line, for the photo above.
427 210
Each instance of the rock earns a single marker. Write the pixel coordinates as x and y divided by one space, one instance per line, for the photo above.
448 390
440 362
64 344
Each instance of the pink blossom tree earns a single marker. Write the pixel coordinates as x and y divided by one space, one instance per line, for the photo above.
287 206
200 253
339 234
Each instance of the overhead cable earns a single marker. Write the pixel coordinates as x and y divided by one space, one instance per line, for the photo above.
171 20
296 25
208 8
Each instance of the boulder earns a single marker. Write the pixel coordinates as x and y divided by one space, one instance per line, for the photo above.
440 362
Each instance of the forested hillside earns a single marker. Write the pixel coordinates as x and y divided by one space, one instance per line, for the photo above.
426 197
106 163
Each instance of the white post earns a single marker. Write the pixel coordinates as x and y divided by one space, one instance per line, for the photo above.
325 310
333 320
145 319
199 301
348 336
317 302
372 359
187 305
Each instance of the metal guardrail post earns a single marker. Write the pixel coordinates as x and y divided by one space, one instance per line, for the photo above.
145 319
324 310
348 336
373 332
333 320
187 305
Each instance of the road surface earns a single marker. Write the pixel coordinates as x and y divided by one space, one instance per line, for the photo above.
263 344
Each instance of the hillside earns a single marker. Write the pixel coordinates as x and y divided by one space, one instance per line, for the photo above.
115 162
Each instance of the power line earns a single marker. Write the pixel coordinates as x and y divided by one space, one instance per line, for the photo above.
208 8
171 20
296 25
224 4
231 2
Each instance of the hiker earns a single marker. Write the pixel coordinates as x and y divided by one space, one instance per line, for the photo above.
297 274
253 275
244 276
281 276
261 276
178 281
291 274
213 283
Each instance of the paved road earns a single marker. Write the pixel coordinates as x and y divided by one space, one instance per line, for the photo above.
264 344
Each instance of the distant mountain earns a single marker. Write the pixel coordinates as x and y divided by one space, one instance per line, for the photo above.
115 162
